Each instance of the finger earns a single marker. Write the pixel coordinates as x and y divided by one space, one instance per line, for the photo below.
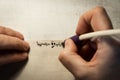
94 20
85 48
8 42
11 58
70 59
87 52
10 32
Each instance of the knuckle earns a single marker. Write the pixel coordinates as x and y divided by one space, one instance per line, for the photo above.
99 9
2 29
61 56
27 46
20 35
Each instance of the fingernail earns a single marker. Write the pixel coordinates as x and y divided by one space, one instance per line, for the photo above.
22 37
66 44
27 46
24 56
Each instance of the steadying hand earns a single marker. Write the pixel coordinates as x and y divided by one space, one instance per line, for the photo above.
13 48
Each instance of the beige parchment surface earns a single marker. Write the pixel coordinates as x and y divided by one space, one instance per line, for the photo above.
43 64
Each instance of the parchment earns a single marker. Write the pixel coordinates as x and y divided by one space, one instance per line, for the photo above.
43 63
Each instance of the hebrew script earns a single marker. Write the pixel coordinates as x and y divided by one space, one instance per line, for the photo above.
51 44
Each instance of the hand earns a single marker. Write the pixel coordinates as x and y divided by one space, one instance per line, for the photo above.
13 48
105 63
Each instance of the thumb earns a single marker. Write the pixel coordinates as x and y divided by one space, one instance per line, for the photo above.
70 59
70 46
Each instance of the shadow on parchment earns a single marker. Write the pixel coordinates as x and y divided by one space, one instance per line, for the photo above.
9 71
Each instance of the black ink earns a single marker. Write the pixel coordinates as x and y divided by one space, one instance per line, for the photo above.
38 43
42 44
63 44
52 44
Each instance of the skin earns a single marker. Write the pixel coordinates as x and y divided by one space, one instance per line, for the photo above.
13 48
105 63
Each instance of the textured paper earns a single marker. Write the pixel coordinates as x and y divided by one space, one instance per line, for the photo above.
43 63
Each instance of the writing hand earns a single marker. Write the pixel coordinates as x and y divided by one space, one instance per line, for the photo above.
105 64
